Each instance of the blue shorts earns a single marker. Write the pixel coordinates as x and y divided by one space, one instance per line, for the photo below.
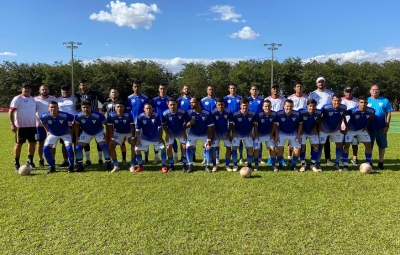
41 134
381 139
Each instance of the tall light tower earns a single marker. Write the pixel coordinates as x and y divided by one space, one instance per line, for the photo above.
72 46
272 47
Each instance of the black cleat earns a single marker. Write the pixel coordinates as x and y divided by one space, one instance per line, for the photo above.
17 167
80 168
190 169
41 162
109 167
101 162
380 166
88 163
184 169
208 170
71 169
31 164
64 164
52 169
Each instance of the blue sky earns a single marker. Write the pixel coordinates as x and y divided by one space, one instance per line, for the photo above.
174 32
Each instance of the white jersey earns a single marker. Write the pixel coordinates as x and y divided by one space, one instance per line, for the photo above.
299 102
25 111
276 103
66 104
322 97
42 106
350 103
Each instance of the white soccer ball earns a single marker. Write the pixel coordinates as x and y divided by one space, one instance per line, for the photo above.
245 172
24 170
365 168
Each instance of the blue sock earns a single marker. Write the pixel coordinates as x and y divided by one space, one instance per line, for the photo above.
71 154
79 153
208 156
302 155
184 160
139 159
280 159
338 155
273 161
115 162
171 161
146 155
234 157
217 153
163 157
314 155
133 161
345 157
368 157
294 161
106 154
48 156
319 156
227 161
256 162
189 155
249 160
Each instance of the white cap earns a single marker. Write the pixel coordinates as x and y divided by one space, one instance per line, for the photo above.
320 78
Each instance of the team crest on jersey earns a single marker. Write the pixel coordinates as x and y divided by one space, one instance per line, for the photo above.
357 116
315 118
144 121
179 117
182 102
206 103
249 119
229 101
115 121
294 119
170 118
305 117
271 119
341 113
49 121
262 121
142 100
367 116
216 117
380 104
330 113
225 116
61 121
25 101
124 121
203 118
259 101
283 119
133 100
158 102
237 100
239 119
153 120
83 121
94 121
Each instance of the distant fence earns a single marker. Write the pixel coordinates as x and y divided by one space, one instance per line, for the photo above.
3 109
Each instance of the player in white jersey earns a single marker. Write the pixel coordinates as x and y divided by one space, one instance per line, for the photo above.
22 116
42 103
277 101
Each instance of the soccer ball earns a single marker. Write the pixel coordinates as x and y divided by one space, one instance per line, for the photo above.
24 170
365 168
245 172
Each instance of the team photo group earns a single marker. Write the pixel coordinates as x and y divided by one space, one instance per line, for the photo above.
246 125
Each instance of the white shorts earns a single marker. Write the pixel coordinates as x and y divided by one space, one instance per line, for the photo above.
361 135
314 139
171 140
145 145
119 138
216 143
53 139
336 137
267 139
247 141
192 140
291 138
85 138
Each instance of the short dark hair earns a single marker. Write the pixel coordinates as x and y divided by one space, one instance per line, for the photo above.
53 102
337 96
137 82
267 101
232 84
85 102
162 84
311 101
364 98
244 101
298 82
82 80
172 99
290 101
120 102
219 100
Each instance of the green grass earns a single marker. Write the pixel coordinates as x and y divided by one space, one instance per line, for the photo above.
96 212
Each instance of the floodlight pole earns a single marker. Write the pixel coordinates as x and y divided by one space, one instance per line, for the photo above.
273 47
72 46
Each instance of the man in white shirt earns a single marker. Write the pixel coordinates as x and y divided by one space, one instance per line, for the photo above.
350 102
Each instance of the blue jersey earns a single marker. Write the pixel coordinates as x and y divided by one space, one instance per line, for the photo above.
221 123
184 103
331 117
174 121
135 104
160 104
243 123
381 107
203 120
208 104
265 123
309 120
58 125
287 123
232 103
149 127
91 125
255 104
359 120
121 124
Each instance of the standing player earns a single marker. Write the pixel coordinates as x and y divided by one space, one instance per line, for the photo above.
277 101
184 100
332 117
223 121
56 125
120 127
149 132
173 122
201 128
22 116
208 103
255 101
311 119
379 127
245 128
350 102
289 128
360 117
91 124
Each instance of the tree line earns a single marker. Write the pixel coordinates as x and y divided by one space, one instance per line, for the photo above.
103 75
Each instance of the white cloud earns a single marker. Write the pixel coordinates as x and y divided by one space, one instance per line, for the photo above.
135 15
227 13
245 33
106 44
7 53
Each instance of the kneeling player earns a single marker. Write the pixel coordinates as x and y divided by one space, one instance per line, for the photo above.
55 123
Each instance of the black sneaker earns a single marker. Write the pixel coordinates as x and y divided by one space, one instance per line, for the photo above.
52 169
16 166
71 169
171 168
80 168
64 164
190 169
41 163
184 169
101 162
280 167
31 164
88 163
109 167
380 166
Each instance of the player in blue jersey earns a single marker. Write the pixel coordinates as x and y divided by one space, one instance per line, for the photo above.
55 123
173 121
91 123
222 118
244 128
289 128
121 127
357 126
184 100
149 132
208 103
379 127
311 119
201 128
266 132
255 101
332 117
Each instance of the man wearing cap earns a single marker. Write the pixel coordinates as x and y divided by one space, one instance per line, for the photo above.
323 96
22 116
379 126
351 102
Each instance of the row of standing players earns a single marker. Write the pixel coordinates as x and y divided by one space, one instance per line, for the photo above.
230 120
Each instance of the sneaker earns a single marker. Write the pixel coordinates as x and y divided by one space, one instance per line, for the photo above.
235 168
16 166
345 169
214 169
208 170
294 168
124 162
41 163
314 168
108 167
329 162
319 168
190 169
203 162
116 168
31 164
164 169
64 164
88 163
176 159
80 168
354 162
171 168
71 169
289 162
337 167
261 161
155 161
275 169
217 161
228 168
132 169
302 168
380 166
52 169
184 169
255 168
139 169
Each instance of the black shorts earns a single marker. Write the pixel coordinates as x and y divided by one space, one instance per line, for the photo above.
27 133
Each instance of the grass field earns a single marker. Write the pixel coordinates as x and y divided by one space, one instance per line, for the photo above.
96 212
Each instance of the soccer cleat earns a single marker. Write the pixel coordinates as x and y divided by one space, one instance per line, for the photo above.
52 169
255 168
203 162
71 169
302 168
155 161
208 170
345 169
280 167
329 162
190 169
108 167
16 166
139 169
337 167
41 162
319 168
116 168
132 169
164 169
275 169
354 162
101 162
235 168
171 168
294 168
184 169
214 169
31 164
80 168
88 163
262 161
228 168
314 168
217 161
176 160
284 162
380 166
146 162
64 163
124 162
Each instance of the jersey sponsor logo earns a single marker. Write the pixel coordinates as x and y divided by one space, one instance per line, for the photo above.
83 121
49 121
